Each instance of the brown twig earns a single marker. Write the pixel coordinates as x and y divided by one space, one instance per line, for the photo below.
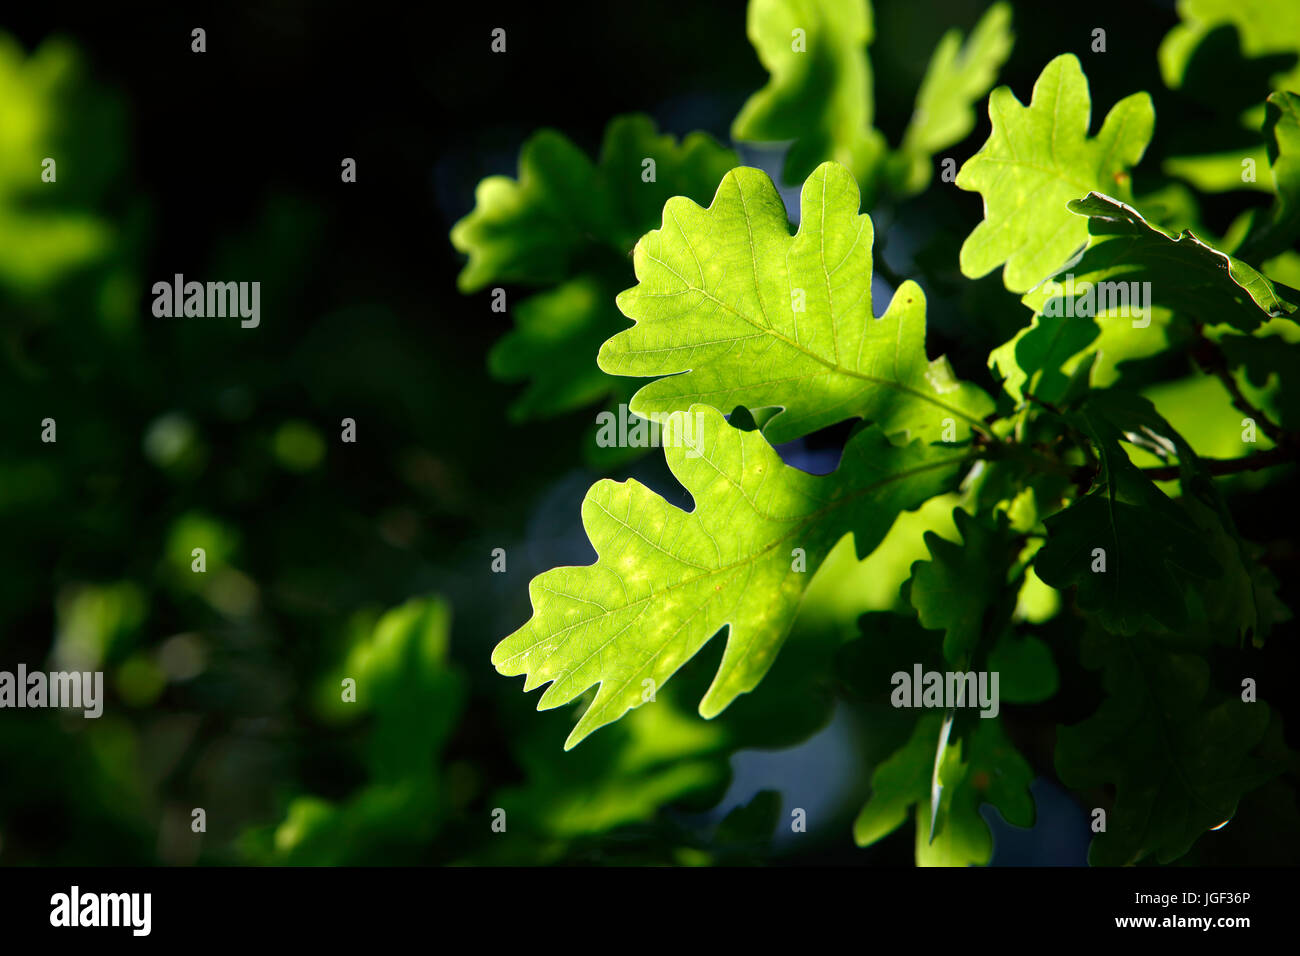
1229 466
1047 405
1211 360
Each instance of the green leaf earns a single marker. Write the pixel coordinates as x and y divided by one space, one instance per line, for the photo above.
53 109
1238 601
1278 230
1038 359
887 643
661 754
570 223
719 296
898 783
532 229
820 99
961 583
1265 26
1178 758
1199 408
1027 672
536 229
1219 172
1036 160
413 697
1180 273
846 587
993 772
957 78
666 581
1269 363
656 756
1148 545
1241 604
556 337
404 681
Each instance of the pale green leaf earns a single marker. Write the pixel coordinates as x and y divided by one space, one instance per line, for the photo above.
1038 158
819 98
666 580
957 78
753 316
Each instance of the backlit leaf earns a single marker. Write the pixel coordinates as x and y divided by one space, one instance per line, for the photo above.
753 316
1037 159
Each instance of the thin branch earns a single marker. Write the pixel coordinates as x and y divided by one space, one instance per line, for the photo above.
991 449
1229 466
1211 359
1047 405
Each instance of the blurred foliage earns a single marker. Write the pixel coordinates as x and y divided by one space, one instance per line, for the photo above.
569 225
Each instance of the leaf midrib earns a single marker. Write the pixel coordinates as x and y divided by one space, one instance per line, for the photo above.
833 366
